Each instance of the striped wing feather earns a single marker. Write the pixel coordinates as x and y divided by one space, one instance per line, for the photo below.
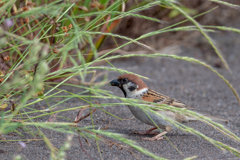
152 96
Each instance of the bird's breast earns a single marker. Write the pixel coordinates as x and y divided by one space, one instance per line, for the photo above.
144 116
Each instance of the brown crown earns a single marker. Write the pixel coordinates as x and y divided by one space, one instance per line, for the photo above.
135 79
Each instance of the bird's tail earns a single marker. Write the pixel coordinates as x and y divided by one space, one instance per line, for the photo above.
216 119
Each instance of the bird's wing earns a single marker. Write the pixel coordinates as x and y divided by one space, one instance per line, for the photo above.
152 96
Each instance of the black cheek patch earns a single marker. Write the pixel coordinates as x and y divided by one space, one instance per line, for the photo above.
131 88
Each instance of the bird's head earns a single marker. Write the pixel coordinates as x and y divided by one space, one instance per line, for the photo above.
131 85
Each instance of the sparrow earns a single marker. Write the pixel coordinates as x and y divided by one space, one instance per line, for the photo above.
133 87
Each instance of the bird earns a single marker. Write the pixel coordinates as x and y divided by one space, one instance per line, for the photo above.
133 87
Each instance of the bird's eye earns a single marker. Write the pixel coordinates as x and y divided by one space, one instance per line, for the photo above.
125 80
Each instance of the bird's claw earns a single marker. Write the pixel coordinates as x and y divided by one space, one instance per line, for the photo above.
153 138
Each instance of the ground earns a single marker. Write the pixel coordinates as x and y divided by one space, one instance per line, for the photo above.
191 83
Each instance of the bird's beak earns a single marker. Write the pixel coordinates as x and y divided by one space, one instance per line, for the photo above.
115 82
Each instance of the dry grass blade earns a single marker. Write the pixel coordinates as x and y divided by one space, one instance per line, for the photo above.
79 139
106 127
79 118
189 59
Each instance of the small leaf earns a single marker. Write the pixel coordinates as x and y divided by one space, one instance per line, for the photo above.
7 105
1 74
174 13
3 106
79 115
189 11
83 8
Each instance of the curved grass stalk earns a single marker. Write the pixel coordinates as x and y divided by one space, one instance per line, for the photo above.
188 129
226 3
81 33
181 58
208 121
205 34
224 28
123 14
128 142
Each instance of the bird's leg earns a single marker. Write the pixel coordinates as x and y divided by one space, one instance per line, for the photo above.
146 132
155 138
159 136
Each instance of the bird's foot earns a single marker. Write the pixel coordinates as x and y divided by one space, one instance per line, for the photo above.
146 132
153 138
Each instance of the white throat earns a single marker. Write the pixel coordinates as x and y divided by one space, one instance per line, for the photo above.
136 93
